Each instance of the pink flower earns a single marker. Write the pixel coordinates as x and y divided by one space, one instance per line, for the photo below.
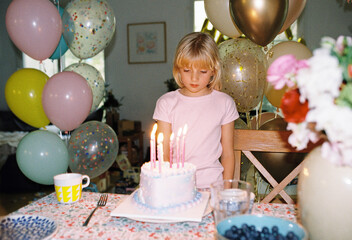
283 71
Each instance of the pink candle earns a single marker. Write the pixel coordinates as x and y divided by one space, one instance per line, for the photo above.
152 146
160 150
171 146
183 144
178 146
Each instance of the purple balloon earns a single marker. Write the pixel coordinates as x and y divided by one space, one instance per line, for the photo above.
67 99
34 26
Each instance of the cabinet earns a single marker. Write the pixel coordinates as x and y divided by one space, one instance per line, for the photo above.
136 138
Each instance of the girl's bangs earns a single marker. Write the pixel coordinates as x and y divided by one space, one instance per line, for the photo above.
200 62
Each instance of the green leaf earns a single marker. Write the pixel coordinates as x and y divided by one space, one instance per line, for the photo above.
345 98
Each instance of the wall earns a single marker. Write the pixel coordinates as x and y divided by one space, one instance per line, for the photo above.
142 84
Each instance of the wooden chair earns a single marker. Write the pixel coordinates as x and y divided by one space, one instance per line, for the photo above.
266 141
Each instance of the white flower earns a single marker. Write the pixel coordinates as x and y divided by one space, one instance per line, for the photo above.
321 80
301 135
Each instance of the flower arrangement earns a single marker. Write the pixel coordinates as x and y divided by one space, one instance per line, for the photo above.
318 100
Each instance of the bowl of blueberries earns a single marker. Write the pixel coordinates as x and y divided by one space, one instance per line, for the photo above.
259 227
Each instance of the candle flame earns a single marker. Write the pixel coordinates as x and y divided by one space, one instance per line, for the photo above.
172 136
152 134
179 132
185 128
160 137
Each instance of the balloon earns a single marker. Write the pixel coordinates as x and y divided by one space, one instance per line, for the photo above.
92 148
34 27
244 72
295 8
279 165
218 13
67 99
23 94
240 124
273 95
88 27
62 47
264 117
41 155
259 21
299 50
94 79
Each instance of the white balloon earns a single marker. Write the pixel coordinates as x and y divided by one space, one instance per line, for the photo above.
218 13
94 78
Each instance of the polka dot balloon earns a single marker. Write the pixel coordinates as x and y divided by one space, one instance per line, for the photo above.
89 26
94 79
92 148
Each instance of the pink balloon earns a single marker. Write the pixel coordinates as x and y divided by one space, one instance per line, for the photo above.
295 8
34 26
67 99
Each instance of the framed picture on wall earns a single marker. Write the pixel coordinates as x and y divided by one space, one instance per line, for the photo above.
146 42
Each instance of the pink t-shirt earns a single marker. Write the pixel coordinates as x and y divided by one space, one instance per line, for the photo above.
204 116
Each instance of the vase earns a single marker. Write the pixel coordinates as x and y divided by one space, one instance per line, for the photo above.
325 198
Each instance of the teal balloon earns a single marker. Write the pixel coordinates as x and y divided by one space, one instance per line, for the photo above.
92 148
62 47
41 155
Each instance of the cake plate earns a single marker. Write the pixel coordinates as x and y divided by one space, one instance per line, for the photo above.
128 208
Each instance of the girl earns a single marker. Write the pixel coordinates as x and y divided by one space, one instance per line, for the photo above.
208 113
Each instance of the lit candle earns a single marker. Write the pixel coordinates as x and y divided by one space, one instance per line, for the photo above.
171 146
183 144
160 150
152 146
178 146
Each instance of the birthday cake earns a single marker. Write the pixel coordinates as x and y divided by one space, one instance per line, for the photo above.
164 188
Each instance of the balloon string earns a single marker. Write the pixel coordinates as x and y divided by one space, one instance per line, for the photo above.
248 120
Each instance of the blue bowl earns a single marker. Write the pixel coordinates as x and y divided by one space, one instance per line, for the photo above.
260 221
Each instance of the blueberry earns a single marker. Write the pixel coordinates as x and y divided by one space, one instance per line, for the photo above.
234 228
275 229
265 230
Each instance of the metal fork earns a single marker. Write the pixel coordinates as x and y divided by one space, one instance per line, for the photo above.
102 202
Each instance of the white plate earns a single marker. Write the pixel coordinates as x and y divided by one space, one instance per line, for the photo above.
26 227
128 208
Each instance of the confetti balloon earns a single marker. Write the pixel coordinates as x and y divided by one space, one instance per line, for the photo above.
94 79
243 72
41 155
88 27
92 148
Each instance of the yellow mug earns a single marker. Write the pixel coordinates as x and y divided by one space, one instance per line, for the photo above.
68 186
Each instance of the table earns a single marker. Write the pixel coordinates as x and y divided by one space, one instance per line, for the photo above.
70 218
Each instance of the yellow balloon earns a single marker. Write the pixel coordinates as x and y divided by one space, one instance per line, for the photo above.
23 94
274 96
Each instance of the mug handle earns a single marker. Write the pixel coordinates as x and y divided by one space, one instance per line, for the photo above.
88 181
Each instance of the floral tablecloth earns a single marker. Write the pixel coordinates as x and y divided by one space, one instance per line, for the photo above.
70 218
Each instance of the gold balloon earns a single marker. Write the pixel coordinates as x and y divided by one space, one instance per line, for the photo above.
243 72
299 50
219 15
259 20
279 165
240 124
263 118
273 95
295 8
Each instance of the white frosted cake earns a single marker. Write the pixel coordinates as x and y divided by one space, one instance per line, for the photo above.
170 188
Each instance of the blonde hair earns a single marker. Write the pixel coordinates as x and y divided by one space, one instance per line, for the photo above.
198 50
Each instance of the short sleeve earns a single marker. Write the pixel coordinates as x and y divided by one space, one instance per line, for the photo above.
162 109
231 113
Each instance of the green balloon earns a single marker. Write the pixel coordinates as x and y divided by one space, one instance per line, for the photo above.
41 155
